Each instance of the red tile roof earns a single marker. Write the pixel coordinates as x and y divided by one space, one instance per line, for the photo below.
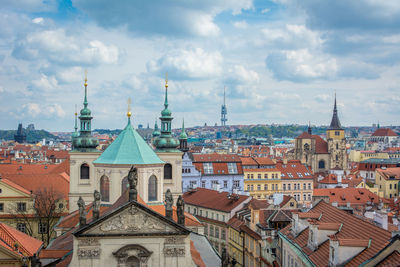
353 228
35 182
235 223
292 169
213 199
392 260
264 161
329 179
20 168
196 255
10 236
390 173
384 132
321 146
248 161
354 196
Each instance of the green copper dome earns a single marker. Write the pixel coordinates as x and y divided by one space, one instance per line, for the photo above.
156 131
166 113
84 142
85 112
183 135
128 148
165 142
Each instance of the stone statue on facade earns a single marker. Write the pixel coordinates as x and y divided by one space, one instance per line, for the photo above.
180 209
133 180
168 202
96 204
82 211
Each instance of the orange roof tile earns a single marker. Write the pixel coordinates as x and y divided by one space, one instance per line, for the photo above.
354 196
35 182
384 132
27 245
196 255
353 228
213 199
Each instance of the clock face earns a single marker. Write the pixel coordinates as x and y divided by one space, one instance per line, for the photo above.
306 147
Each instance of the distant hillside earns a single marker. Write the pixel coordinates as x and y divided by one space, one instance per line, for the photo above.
31 135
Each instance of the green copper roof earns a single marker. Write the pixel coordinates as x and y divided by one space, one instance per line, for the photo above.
183 134
128 148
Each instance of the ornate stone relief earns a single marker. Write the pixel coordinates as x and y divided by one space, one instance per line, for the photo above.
133 220
170 251
72 162
89 253
174 246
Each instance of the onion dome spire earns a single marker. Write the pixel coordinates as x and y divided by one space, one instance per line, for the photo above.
156 131
85 142
165 142
183 134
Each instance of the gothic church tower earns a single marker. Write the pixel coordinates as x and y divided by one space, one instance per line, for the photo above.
336 142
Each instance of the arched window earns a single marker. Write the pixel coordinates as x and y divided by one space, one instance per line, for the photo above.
105 188
124 184
337 157
152 188
132 261
167 171
337 146
321 164
84 171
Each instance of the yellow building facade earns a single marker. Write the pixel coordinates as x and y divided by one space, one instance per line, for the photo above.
388 181
17 210
261 183
235 244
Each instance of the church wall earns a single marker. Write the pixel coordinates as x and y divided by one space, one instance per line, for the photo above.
81 187
98 251
174 184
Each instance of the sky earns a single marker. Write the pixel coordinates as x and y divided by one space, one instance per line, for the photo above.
281 61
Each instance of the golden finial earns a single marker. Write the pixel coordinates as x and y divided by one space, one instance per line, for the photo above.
129 113
76 110
166 80
85 77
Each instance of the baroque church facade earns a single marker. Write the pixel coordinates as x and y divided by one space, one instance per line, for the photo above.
158 170
319 154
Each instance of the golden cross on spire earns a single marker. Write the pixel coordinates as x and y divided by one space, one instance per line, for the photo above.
166 79
129 107
76 110
85 77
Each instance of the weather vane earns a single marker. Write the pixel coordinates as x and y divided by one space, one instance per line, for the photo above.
85 77
129 107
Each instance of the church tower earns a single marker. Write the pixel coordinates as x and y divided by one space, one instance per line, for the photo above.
183 139
336 142
84 152
166 147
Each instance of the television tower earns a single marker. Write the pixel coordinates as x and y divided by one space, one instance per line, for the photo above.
223 112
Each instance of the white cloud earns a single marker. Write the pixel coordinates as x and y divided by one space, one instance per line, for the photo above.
38 20
34 110
240 24
301 65
70 75
265 10
292 36
1 89
162 17
240 74
46 83
188 64
57 46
